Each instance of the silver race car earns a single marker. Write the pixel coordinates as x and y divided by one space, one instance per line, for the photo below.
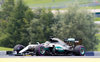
53 47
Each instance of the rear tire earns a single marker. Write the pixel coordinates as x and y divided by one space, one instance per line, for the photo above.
79 50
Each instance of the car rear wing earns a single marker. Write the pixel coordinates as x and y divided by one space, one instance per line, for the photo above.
73 40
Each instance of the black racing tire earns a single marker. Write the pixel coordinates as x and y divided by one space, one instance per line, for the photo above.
18 48
79 50
40 50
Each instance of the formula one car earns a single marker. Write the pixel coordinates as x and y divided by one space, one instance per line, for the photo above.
53 47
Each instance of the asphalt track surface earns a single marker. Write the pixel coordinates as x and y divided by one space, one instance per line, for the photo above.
50 59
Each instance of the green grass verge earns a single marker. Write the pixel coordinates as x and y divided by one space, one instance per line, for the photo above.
45 3
42 1
98 46
5 49
54 1
98 36
97 19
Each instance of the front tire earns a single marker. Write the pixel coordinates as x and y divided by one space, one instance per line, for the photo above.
40 50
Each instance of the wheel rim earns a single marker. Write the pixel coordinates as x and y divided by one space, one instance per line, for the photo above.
42 50
82 51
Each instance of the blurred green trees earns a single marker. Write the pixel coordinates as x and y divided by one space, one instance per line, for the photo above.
40 26
16 20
